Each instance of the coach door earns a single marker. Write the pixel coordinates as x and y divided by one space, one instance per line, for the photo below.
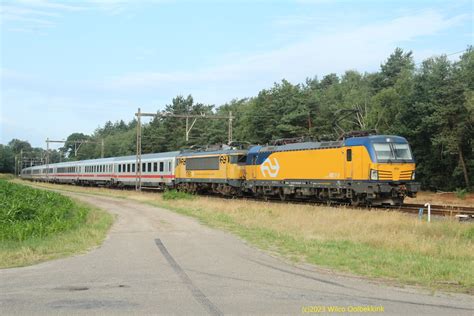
348 162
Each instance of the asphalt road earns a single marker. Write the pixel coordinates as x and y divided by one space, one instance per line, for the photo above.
158 262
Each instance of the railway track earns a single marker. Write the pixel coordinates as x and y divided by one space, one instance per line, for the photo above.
465 212
445 210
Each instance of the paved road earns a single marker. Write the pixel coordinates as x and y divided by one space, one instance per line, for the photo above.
158 262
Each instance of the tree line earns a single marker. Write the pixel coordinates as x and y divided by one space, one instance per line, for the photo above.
431 104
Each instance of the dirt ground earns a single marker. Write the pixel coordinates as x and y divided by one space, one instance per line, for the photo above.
442 198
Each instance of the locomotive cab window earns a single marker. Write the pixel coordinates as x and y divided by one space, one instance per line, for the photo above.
383 151
238 159
349 155
402 151
392 151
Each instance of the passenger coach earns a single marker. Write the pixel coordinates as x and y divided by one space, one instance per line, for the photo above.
157 170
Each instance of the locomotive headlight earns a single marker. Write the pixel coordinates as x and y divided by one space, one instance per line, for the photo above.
374 175
413 175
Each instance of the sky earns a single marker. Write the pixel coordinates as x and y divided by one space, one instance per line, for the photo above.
70 66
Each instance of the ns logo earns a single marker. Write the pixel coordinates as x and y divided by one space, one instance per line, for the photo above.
270 168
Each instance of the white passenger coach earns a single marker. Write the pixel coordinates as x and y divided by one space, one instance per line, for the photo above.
157 170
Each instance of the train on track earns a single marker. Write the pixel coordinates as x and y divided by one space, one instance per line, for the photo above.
368 170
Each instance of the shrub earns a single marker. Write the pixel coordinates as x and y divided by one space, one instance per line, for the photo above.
461 193
177 195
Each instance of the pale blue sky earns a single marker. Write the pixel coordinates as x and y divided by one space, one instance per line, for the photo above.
69 66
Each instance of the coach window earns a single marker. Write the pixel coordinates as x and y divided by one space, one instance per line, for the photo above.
128 167
162 166
119 168
133 167
143 167
149 167
155 166
169 166
349 155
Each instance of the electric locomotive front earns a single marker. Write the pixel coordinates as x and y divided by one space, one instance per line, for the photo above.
360 170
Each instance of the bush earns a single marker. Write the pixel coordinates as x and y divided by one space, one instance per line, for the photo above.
31 213
461 193
177 195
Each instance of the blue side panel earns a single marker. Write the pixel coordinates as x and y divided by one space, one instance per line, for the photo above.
263 156
254 153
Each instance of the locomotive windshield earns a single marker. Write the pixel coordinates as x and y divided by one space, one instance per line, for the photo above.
392 152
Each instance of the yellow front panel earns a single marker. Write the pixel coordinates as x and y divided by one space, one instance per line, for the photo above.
394 171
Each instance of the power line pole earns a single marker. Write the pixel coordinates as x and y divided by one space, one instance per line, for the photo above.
16 165
78 142
138 169
230 128
47 159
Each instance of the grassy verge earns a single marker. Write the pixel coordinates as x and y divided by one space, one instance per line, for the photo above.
6 176
37 225
388 245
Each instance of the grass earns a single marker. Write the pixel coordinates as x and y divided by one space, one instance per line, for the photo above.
388 245
176 195
38 225
6 176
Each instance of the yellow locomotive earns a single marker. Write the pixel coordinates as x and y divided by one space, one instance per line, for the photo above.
221 171
369 170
